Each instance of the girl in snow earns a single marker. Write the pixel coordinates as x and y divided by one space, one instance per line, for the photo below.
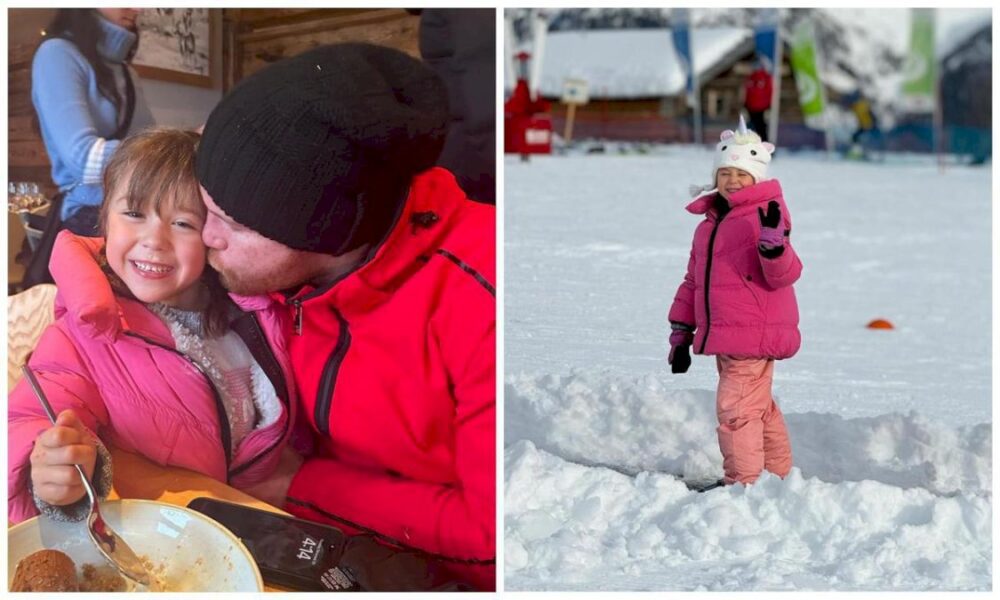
737 302
150 354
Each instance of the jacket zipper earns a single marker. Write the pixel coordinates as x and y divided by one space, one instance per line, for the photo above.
708 278
219 406
328 380
297 304
283 395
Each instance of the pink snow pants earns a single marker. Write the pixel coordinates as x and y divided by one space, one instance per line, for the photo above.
752 434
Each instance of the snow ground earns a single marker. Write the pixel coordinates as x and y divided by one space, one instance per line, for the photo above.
891 430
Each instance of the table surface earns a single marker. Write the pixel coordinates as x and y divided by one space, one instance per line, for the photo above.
138 477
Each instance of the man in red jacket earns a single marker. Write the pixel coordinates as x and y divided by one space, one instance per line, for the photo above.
757 91
318 176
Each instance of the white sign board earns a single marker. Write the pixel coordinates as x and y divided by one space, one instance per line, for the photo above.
535 137
575 91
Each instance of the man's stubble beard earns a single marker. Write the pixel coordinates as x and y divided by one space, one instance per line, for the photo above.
257 282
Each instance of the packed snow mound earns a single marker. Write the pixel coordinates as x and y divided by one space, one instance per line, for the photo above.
907 451
629 425
570 526
635 424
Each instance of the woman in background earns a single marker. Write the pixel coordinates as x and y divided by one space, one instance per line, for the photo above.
86 98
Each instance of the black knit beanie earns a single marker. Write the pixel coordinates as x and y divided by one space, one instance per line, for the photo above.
317 151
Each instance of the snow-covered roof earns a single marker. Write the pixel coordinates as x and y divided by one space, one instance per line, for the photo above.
633 63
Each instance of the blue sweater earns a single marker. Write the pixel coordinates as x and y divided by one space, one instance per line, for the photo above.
75 118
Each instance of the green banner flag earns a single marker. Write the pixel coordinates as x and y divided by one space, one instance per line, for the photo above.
803 60
919 70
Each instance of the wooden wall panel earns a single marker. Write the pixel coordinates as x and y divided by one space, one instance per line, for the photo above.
20 54
26 157
21 128
267 17
263 36
28 153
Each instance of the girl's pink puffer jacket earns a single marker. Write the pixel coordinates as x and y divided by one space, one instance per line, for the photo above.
749 308
113 362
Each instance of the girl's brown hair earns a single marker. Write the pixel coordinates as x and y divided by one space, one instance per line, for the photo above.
149 169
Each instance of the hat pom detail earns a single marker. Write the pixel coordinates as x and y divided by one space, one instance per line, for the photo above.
697 190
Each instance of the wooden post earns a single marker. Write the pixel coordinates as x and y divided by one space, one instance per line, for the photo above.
568 129
575 92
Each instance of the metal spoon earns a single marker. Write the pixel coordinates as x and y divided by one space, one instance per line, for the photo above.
113 547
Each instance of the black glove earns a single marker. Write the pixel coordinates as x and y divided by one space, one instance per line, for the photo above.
680 358
771 243
773 217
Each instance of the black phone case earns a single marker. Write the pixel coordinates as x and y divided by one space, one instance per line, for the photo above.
290 552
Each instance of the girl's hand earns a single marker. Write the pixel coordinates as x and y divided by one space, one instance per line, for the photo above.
773 217
679 358
771 236
57 449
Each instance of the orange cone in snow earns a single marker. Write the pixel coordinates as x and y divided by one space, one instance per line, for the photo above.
880 324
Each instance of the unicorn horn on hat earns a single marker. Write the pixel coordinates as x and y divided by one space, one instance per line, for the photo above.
742 128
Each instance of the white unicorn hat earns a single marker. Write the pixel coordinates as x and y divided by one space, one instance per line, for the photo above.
741 149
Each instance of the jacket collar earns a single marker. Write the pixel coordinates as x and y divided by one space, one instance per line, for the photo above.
424 220
91 305
109 322
748 197
116 42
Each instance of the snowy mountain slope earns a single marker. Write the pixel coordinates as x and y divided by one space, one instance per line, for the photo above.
891 430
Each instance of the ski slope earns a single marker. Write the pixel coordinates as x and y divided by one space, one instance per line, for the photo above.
891 430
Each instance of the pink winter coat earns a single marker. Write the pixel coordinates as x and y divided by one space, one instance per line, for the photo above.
113 362
749 308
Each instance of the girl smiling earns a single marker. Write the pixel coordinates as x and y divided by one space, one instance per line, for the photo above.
151 355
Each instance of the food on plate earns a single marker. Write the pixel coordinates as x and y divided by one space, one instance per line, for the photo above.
54 571
45 571
102 578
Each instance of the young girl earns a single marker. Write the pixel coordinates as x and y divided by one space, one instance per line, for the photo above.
737 302
149 354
